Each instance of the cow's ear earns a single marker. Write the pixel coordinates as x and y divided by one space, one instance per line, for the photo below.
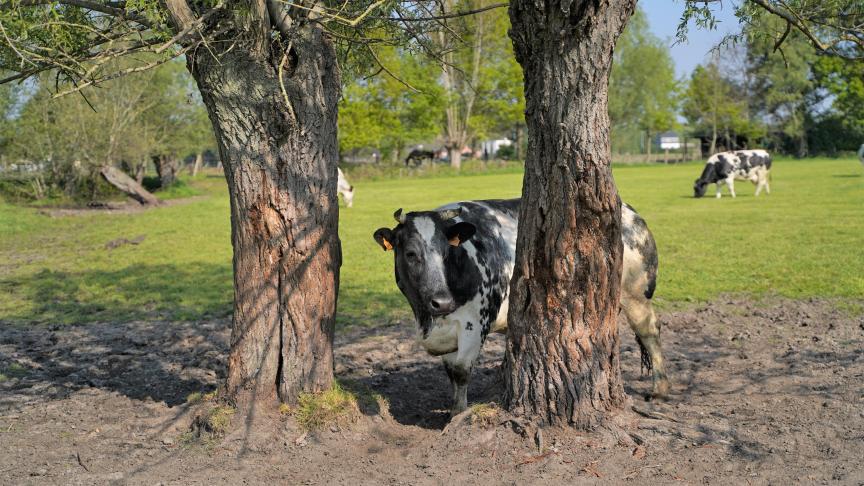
460 233
384 237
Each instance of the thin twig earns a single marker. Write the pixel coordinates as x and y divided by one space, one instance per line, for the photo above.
390 73
282 85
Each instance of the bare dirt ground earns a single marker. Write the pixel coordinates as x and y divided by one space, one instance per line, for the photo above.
764 393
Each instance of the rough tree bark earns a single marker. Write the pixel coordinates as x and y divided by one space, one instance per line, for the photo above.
280 163
196 166
167 167
562 360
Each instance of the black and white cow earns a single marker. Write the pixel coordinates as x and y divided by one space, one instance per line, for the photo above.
417 156
725 167
344 188
861 154
454 265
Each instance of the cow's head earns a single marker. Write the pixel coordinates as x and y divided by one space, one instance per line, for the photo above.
708 176
433 268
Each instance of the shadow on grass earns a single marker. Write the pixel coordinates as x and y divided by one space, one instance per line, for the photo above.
193 291
847 176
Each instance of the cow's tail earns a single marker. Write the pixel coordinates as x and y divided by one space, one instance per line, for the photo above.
645 361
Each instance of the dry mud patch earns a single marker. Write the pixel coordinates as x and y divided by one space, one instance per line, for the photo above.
763 393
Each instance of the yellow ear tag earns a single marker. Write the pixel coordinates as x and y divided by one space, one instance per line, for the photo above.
387 245
454 241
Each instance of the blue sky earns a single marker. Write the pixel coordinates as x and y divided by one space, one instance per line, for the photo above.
663 18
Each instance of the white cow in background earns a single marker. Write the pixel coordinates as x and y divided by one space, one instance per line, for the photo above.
347 190
861 154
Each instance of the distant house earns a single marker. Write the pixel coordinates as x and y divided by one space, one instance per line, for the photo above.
669 141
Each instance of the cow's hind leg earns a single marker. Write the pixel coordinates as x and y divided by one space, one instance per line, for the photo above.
640 315
459 376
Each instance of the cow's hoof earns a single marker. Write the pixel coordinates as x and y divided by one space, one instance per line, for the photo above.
660 391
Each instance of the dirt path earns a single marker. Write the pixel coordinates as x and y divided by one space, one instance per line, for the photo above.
763 393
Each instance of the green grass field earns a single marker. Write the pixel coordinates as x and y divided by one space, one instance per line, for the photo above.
803 240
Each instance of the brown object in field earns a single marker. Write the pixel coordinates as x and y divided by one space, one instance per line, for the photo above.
123 182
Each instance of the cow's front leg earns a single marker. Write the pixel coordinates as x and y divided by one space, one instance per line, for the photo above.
719 188
459 376
460 363
731 183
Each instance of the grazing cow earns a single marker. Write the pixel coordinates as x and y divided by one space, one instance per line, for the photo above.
861 154
347 190
752 165
417 156
454 265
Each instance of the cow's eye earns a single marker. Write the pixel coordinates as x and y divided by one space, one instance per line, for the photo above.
411 255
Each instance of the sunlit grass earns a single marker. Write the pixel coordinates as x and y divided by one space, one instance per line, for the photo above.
802 240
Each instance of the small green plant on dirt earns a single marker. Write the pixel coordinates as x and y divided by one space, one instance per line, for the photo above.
483 414
850 307
218 419
285 409
14 370
336 406
210 424
198 397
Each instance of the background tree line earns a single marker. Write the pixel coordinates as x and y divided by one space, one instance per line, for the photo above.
795 101
61 144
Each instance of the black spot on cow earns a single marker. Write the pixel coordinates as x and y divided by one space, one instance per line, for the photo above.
652 285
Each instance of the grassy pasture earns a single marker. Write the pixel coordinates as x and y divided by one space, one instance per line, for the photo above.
803 240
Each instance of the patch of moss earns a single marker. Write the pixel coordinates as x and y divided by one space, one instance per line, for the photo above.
14 370
336 406
218 419
483 413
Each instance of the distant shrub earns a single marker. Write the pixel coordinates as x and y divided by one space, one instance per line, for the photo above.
507 152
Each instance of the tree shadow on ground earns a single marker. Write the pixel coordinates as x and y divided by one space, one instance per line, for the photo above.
173 292
721 378
143 360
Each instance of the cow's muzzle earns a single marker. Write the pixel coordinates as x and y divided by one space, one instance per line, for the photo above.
441 305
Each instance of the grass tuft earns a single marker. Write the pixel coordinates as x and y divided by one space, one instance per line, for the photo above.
484 414
14 370
336 406
218 419
198 397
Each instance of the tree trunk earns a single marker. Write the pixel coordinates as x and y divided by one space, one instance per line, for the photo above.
128 185
167 167
140 171
562 361
199 161
713 148
280 162
518 143
648 143
455 154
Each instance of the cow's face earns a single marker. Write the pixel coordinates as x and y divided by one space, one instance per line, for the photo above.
433 268
699 188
